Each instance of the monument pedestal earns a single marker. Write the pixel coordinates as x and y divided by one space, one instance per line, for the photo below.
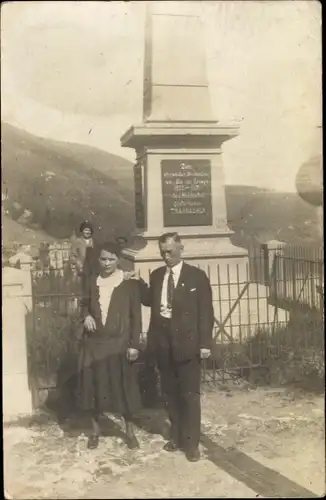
179 186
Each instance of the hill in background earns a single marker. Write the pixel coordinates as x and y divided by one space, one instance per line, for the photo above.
13 232
264 215
60 184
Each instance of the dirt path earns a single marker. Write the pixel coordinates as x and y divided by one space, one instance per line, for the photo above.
263 429
279 429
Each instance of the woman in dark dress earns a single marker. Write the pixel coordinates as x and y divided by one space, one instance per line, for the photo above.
111 310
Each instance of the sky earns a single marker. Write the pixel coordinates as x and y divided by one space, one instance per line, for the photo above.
73 71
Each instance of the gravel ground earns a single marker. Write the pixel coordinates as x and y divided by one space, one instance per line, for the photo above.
279 429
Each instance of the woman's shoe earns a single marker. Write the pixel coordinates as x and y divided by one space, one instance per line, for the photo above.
132 442
170 446
93 441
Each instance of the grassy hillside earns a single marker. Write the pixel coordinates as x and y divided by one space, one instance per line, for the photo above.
267 215
13 232
62 184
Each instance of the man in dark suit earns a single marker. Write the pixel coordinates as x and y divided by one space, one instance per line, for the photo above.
179 336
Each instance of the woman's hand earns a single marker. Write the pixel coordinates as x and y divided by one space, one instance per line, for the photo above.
132 354
90 324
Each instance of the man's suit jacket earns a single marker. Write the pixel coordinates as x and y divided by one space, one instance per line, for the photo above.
192 312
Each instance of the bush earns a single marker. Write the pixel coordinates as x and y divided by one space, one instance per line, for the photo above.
293 354
51 343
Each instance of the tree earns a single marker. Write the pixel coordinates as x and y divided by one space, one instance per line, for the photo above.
309 181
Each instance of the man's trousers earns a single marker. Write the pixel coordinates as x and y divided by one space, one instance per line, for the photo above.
180 384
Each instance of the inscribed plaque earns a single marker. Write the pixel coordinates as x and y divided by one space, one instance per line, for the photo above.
187 192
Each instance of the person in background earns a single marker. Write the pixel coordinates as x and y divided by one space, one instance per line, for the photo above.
179 336
121 241
111 314
82 247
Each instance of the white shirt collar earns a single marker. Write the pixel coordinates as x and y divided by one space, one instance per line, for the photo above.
175 269
115 278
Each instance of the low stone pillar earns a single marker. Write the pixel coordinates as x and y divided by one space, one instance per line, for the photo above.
17 399
25 262
269 250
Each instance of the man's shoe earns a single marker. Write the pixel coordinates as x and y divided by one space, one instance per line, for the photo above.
193 455
170 446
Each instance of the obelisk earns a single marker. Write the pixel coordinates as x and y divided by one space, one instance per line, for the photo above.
179 178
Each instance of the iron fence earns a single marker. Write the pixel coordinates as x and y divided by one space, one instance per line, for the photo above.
266 309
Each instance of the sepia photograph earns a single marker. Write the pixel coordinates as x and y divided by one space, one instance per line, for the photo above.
162 249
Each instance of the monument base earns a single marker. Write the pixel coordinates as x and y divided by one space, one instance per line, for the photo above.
226 265
240 306
202 251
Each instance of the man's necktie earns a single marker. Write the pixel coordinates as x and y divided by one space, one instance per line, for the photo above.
170 290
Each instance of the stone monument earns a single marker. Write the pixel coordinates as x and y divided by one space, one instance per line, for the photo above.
179 178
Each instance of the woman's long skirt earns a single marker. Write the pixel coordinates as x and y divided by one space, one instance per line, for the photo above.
107 382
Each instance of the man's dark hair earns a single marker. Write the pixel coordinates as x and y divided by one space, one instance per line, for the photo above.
121 240
169 236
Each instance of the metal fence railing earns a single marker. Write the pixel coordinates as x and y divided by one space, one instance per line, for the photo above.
267 306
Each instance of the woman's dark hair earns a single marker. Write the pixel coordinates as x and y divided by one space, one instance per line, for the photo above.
110 247
86 225
93 264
